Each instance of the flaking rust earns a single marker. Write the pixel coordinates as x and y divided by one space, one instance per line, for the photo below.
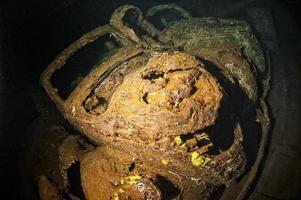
163 105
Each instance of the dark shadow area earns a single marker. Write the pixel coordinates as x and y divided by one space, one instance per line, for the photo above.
167 188
218 193
80 64
235 107
75 181
131 20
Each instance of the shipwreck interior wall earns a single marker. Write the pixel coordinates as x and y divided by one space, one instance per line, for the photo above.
33 32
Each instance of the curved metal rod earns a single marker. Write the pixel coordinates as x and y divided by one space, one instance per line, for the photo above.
265 124
62 58
171 6
118 20
137 29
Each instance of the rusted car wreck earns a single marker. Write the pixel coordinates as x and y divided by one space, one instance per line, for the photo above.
180 102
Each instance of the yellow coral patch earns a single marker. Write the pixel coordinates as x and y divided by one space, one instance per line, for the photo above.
183 145
198 159
121 190
178 140
131 180
116 196
165 162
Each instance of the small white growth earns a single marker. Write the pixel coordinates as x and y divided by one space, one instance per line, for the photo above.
140 187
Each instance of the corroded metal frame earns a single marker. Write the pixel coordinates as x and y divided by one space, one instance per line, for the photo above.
74 112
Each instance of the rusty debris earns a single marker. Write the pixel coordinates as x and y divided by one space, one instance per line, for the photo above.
170 106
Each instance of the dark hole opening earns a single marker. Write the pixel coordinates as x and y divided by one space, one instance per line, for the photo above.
131 20
98 101
144 98
131 17
153 75
75 181
85 144
168 189
132 167
81 146
186 137
80 64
